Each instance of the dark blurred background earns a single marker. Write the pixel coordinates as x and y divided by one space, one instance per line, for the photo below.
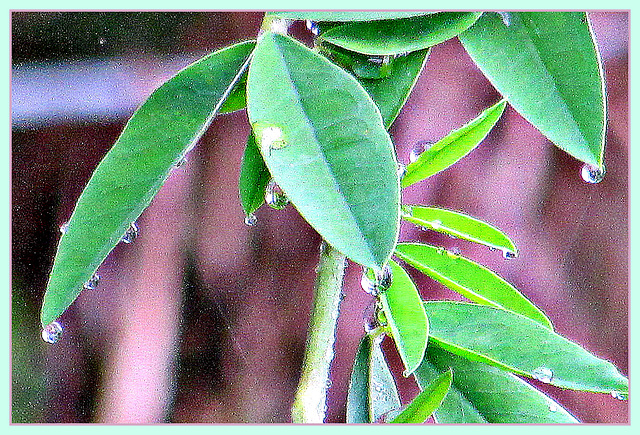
203 319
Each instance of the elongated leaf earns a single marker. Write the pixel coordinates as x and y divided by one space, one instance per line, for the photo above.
547 66
372 390
470 279
254 177
390 37
391 92
454 146
324 143
406 318
481 393
345 15
156 137
518 344
459 225
427 401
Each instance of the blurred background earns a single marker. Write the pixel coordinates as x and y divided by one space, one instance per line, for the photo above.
203 319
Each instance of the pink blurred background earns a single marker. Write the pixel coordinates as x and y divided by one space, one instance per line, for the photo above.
203 319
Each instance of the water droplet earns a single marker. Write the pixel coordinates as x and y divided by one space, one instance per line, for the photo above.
64 228
275 197
92 283
52 332
509 255
553 407
131 234
376 282
313 27
543 374
328 383
417 150
377 387
506 18
181 162
250 220
102 41
402 170
592 174
619 395
436 224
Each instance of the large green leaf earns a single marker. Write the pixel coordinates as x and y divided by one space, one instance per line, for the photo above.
324 143
372 390
254 177
391 92
155 139
390 37
459 225
485 394
547 66
518 344
339 16
406 318
453 146
427 401
469 278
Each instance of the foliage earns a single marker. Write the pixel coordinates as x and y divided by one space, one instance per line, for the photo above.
320 120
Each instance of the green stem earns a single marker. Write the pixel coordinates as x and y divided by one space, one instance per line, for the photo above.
309 405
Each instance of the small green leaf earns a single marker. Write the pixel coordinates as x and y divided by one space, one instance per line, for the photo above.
343 16
518 344
406 318
459 225
454 146
468 278
155 139
391 37
427 401
481 393
547 66
372 390
322 138
254 177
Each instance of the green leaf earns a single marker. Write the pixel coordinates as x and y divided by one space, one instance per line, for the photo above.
237 98
155 139
324 143
254 177
518 344
547 66
391 92
391 37
459 225
341 16
372 390
468 278
406 318
427 401
454 146
481 393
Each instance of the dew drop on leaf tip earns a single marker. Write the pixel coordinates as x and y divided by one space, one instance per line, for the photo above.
418 149
592 174
52 332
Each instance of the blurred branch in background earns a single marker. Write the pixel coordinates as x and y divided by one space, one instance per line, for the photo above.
204 319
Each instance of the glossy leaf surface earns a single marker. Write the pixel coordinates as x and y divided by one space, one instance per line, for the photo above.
547 66
427 401
323 140
155 139
372 390
344 16
406 318
391 37
254 177
481 393
518 344
453 146
458 225
469 278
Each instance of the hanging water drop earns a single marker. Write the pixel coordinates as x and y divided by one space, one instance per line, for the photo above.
417 150
275 197
592 174
131 234
92 283
543 374
402 170
64 228
619 396
52 332
508 255
313 27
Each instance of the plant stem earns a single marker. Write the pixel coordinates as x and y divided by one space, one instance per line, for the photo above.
309 405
